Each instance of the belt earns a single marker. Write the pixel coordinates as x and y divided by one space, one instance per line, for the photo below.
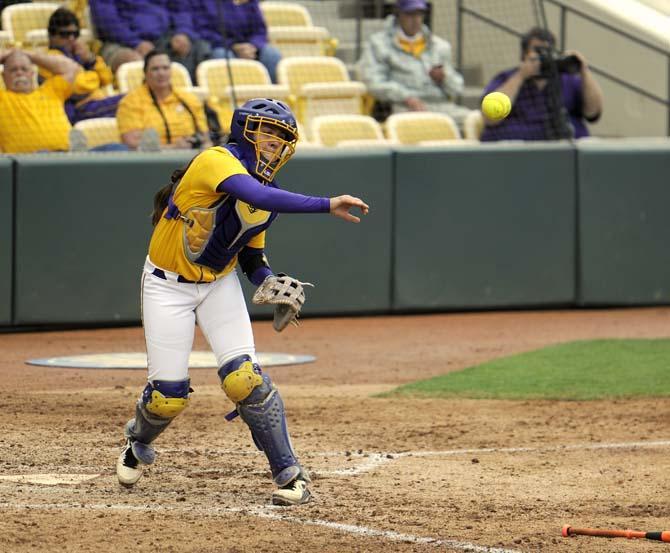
160 273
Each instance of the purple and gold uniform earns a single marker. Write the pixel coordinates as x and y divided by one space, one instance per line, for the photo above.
213 215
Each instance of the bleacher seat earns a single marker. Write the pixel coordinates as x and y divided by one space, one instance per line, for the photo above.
250 79
302 41
320 85
282 14
19 19
5 39
421 126
98 131
332 130
473 125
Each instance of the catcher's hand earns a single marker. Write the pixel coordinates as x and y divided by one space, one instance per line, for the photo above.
288 296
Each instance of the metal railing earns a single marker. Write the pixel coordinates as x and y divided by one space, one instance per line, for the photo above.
564 9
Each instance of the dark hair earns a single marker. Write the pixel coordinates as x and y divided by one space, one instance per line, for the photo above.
152 54
162 197
62 17
537 33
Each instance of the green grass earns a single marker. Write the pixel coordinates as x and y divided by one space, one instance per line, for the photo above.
572 371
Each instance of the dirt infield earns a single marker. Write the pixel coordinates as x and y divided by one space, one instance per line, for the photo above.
389 474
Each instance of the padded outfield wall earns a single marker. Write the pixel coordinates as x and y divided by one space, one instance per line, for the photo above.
468 227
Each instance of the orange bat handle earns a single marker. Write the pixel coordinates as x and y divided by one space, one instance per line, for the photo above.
568 530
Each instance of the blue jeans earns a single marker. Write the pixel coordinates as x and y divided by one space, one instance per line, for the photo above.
269 56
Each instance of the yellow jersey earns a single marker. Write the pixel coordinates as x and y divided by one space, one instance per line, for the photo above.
138 111
209 221
37 120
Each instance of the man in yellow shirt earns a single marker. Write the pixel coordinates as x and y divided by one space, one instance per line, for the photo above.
33 118
175 116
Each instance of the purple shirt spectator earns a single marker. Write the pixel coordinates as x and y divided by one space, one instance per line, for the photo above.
530 117
129 22
236 22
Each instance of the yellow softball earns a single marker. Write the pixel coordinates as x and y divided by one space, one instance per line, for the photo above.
496 106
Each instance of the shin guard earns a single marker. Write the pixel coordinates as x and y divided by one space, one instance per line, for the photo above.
160 403
262 409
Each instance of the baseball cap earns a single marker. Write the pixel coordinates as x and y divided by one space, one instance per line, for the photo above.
411 5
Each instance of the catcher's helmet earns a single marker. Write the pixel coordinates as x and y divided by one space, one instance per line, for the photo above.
266 132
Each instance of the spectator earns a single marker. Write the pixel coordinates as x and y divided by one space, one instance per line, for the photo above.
132 28
410 68
33 118
235 28
535 93
88 99
154 112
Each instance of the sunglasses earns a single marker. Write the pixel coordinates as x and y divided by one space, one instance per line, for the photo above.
67 34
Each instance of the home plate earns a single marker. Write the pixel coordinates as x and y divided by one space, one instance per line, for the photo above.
48 479
138 360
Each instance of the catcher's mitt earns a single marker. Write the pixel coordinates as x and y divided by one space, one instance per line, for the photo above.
288 296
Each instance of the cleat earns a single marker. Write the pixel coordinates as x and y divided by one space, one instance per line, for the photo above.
128 468
294 493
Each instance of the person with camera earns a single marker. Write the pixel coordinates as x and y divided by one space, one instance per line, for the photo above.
552 96
155 116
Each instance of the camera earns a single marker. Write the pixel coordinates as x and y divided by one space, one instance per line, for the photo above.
551 62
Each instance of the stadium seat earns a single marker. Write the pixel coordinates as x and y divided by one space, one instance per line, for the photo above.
331 130
282 14
302 41
130 75
250 80
320 85
473 125
102 130
18 19
5 39
420 126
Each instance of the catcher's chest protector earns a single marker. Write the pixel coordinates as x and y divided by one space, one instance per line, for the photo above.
213 236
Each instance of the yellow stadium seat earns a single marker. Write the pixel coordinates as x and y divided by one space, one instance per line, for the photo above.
250 79
18 19
420 126
282 14
130 75
98 131
320 85
5 39
473 125
302 41
332 130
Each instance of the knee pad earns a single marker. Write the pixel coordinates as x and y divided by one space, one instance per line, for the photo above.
165 398
239 377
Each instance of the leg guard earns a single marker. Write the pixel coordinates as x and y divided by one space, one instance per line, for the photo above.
161 402
262 409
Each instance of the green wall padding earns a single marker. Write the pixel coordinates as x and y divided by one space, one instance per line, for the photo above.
6 238
83 225
624 224
484 227
83 229
350 264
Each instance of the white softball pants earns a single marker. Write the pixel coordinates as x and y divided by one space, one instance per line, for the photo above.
170 310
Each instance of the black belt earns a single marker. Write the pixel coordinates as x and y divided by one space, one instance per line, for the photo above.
160 273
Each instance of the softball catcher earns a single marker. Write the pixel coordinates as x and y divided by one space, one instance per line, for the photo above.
210 218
